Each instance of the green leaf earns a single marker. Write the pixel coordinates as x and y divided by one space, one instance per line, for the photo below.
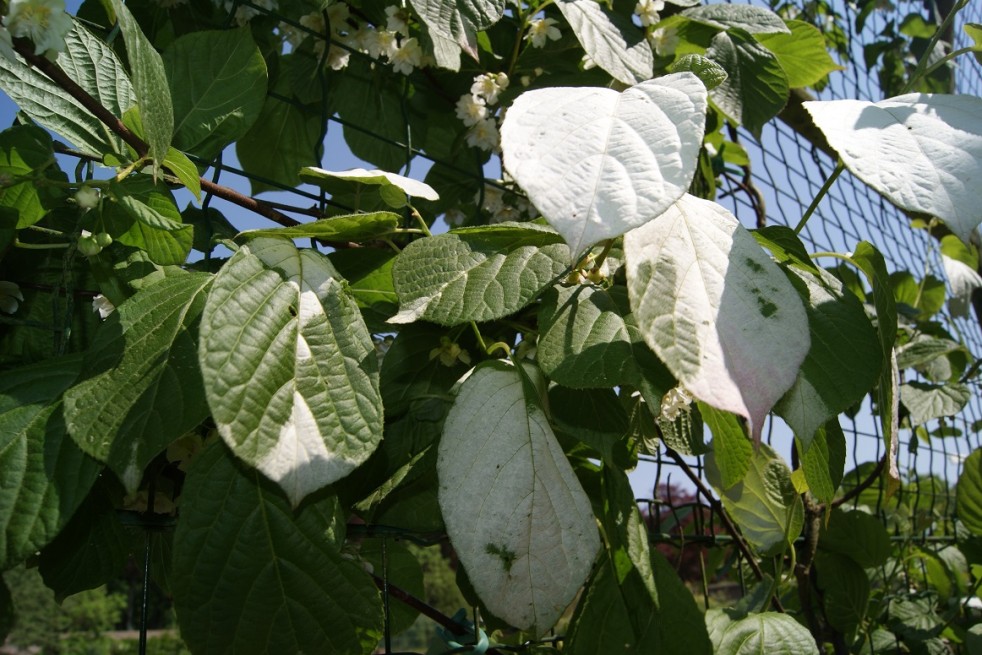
24 151
593 416
843 362
610 39
90 551
459 20
845 589
301 402
634 598
149 84
284 139
802 54
716 309
405 186
369 276
926 402
45 475
916 150
91 64
926 296
143 215
974 32
525 533
924 350
968 493
756 87
218 87
253 575
748 18
142 388
824 460
766 632
352 227
184 170
368 95
567 148
476 274
412 367
733 452
708 71
857 535
588 338
764 503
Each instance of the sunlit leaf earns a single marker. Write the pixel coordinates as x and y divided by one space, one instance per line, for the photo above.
612 41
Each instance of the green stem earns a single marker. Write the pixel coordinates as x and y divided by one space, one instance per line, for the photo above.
920 71
839 167
422 224
480 339
40 246
944 60
48 230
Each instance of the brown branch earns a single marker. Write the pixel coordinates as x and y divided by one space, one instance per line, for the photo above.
731 527
862 486
59 77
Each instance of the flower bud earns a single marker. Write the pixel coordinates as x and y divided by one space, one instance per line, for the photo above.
88 246
103 239
87 197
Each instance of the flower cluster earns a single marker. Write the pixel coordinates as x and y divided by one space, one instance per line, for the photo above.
675 402
43 22
348 35
474 110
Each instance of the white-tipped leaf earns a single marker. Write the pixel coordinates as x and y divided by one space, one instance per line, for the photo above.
598 163
289 367
716 309
515 511
922 151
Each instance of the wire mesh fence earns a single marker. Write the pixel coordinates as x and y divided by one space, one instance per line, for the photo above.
787 171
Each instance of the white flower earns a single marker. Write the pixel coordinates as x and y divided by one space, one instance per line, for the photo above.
244 14
489 86
587 62
454 217
44 22
87 197
386 44
471 109
102 305
494 199
338 14
314 21
10 297
676 401
397 20
337 57
647 11
7 44
543 30
963 280
664 40
407 57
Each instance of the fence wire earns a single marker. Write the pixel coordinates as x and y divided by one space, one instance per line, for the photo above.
787 170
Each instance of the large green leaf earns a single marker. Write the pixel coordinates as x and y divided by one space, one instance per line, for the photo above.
369 275
968 493
930 401
24 149
611 40
515 512
142 213
476 274
716 309
595 417
824 460
918 150
90 551
766 632
460 20
217 85
634 599
91 64
732 450
252 575
845 588
756 87
149 84
598 163
142 388
843 362
764 503
802 53
353 227
751 19
283 140
290 369
45 475
857 535
588 338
